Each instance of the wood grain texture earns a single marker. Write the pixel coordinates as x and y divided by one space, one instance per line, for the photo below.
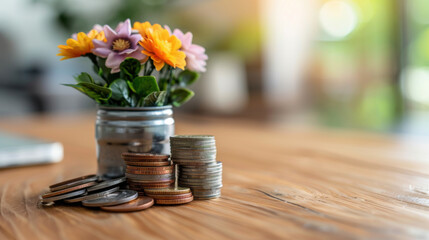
279 183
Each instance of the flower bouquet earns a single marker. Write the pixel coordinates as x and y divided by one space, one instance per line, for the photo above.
140 73
141 66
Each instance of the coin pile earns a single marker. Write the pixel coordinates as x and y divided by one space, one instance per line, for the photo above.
198 168
145 170
170 196
91 192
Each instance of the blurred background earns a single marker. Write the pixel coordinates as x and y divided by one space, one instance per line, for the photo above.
360 64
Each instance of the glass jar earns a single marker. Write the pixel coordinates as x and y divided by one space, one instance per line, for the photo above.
126 129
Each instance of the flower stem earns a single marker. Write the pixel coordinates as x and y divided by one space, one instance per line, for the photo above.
170 78
150 69
93 59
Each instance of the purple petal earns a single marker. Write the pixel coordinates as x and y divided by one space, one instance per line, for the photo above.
100 44
125 29
134 39
114 60
109 33
187 40
101 52
127 51
138 54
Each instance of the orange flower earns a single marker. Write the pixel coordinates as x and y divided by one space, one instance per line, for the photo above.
142 27
80 46
162 47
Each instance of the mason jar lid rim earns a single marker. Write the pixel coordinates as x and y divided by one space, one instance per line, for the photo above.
113 108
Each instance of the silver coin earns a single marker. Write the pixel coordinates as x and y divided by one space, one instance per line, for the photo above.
201 181
207 166
207 197
205 185
194 156
200 174
212 191
194 161
192 137
195 149
74 182
64 196
92 196
199 170
107 184
207 176
116 198
201 185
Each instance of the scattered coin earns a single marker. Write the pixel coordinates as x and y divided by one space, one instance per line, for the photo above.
116 198
107 184
92 196
63 196
73 182
138 204
67 190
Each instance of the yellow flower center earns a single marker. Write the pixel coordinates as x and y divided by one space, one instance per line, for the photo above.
121 44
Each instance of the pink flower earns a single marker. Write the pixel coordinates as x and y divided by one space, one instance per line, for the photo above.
195 54
120 44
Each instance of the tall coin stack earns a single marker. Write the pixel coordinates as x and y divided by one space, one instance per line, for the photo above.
145 170
198 168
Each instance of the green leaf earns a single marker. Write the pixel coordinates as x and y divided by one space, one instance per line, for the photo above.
120 90
84 78
130 68
187 77
130 85
181 95
145 85
163 83
155 99
98 93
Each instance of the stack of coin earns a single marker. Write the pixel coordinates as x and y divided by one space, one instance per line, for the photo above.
145 170
198 168
170 196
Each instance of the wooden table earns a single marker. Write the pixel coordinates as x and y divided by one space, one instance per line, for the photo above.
279 182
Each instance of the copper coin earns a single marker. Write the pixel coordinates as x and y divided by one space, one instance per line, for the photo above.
170 197
150 168
149 164
149 185
138 204
130 181
174 201
67 190
128 155
137 161
149 172
73 182
168 191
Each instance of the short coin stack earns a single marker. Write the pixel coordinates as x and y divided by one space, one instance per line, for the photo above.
91 192
145 170
198 168
170 196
